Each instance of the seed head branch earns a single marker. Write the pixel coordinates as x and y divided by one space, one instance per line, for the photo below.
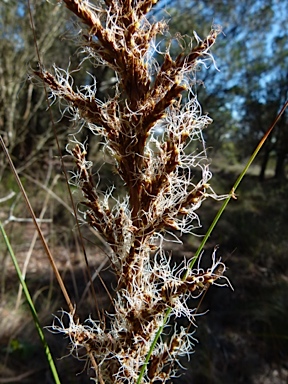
147 127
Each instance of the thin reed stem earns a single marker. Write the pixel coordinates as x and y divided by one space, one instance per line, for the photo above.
31 306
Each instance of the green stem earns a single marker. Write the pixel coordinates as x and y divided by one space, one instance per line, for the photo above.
32 308
235 186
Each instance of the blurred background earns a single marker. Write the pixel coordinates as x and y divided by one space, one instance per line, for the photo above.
244 336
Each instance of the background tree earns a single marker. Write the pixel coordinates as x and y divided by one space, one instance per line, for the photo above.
23 122
251 87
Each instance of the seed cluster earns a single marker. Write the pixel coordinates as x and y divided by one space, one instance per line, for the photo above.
147 128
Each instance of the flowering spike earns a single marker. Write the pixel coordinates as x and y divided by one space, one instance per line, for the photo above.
146 127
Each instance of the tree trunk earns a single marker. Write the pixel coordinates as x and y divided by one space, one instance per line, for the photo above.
264 165
280 166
